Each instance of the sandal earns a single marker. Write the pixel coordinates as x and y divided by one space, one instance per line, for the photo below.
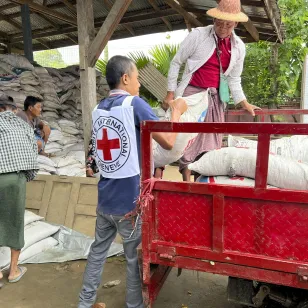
22 270
99 305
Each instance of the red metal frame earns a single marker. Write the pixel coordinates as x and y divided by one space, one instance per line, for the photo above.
224 229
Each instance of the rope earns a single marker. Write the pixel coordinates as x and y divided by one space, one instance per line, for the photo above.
144 198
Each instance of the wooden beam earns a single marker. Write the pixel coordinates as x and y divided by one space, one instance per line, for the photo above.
250 27
71 7
45 10
187 16
110 24
7 7
157 9
86 33
252 3
10 21
127 19
130 29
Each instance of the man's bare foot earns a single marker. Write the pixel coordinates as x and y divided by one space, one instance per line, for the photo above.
99 305
17 274
1 275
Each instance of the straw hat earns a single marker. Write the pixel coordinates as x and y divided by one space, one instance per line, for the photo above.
228 10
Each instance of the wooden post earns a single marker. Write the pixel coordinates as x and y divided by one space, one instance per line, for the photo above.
113 19
86 33
27 32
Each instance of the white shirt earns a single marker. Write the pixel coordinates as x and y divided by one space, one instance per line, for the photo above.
195 50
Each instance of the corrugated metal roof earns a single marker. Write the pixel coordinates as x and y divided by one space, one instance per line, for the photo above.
58 28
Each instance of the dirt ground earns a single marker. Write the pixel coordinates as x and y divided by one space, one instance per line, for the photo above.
58 285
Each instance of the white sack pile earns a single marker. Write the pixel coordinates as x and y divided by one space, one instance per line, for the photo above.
60 91
67 149
295 147
38 238
283 172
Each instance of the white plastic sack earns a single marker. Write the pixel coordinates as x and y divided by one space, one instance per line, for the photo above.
50 115
196 112
47 168
61 162
282 172
16 61
70 130
72 170
31 217
34 232
43 160
65 123
55 135
295 147
37 248
226 180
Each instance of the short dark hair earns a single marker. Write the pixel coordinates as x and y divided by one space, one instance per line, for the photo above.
31 101
7 102
116 67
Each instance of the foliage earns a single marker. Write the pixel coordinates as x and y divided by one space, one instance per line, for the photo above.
266 82
49 58
160 56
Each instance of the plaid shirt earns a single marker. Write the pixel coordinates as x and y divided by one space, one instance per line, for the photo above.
18 148
195 50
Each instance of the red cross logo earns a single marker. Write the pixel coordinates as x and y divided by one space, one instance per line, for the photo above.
106 145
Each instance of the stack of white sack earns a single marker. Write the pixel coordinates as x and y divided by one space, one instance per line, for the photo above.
283 172
295 147
38 238
66 147
197 108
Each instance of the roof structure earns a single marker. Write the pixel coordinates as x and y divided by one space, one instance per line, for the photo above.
54 22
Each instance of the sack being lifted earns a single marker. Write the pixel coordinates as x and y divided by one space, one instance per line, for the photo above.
197 106
283 172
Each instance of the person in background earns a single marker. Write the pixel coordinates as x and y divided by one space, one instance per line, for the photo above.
31 114
116 141
18 164
205 51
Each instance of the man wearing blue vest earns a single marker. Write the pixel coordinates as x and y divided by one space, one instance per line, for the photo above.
116 143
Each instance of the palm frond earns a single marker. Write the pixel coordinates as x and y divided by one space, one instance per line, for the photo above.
140 59
101 66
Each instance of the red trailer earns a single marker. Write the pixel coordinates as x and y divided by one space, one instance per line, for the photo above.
255 235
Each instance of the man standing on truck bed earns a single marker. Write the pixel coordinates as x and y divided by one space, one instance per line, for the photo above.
214 58
116 140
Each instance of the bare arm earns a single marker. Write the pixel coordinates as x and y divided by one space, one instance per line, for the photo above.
167 140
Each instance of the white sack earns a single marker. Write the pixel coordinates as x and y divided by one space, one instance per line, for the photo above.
70 130
283 172
16 61
31 217
66 123
34 232
295 147
43 160
197 108
37 248
226 180
55 135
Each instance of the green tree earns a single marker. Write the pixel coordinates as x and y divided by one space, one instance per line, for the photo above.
272 71
49 58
